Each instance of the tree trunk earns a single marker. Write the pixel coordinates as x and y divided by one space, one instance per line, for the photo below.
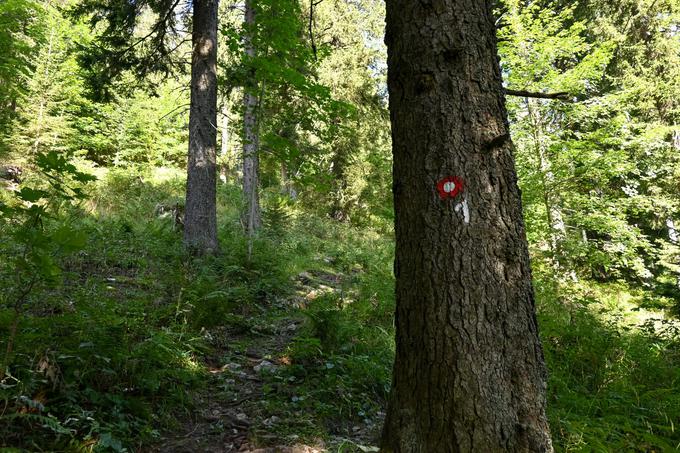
674 237
557 229
340 162
251 159
44 93
226 161
200 223
469 374
224 144
287 183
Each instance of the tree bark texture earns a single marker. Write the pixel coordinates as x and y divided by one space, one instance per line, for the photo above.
469 374
200 223
251 160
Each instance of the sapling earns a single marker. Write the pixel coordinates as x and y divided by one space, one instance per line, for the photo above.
32 253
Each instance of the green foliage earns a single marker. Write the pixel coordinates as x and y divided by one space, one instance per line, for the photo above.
25 218
352 172
612 386
136 39
133 130
111 326
595 172
54 113
106 359
21 33
340 361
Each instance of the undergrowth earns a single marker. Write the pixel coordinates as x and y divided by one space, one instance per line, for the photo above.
106 359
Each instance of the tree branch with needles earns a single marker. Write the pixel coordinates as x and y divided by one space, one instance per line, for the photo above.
560 96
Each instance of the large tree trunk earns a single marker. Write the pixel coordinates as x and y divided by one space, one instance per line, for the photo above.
252 217
469 374
200 223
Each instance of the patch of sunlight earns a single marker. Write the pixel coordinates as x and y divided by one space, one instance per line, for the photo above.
165 174
190 363
624 306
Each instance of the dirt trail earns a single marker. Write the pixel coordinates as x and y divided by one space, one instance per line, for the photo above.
230 414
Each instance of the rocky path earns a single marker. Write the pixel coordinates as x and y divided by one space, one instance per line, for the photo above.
230 411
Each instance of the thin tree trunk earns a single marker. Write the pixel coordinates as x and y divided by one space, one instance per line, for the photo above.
227 164
339 209
672 231
44 93
558 230
200 223
287 183
469 374
224 145
555 220
251 159
674 237
673 234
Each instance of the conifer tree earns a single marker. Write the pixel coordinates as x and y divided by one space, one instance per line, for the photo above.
127 46
469 373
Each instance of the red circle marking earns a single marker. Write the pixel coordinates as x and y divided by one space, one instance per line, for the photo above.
449 187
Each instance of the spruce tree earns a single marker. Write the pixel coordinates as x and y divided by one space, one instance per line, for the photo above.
469 373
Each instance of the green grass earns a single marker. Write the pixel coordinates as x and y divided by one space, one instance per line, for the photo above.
612 386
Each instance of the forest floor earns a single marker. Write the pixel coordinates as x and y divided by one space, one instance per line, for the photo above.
233 413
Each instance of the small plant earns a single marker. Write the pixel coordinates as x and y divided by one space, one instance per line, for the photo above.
276 217
34 247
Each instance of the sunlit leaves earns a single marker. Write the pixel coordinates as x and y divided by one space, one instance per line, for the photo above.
604 162
27 218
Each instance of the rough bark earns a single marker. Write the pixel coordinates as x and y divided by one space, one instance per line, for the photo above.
251 160
469 374
200 223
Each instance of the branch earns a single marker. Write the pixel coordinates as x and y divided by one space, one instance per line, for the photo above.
312 4
562 95
157 28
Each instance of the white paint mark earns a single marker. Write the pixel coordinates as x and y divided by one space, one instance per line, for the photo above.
466 210
449 187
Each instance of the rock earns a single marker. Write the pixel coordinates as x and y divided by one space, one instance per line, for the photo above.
289 328
264 365
305 277
11 173
271 420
